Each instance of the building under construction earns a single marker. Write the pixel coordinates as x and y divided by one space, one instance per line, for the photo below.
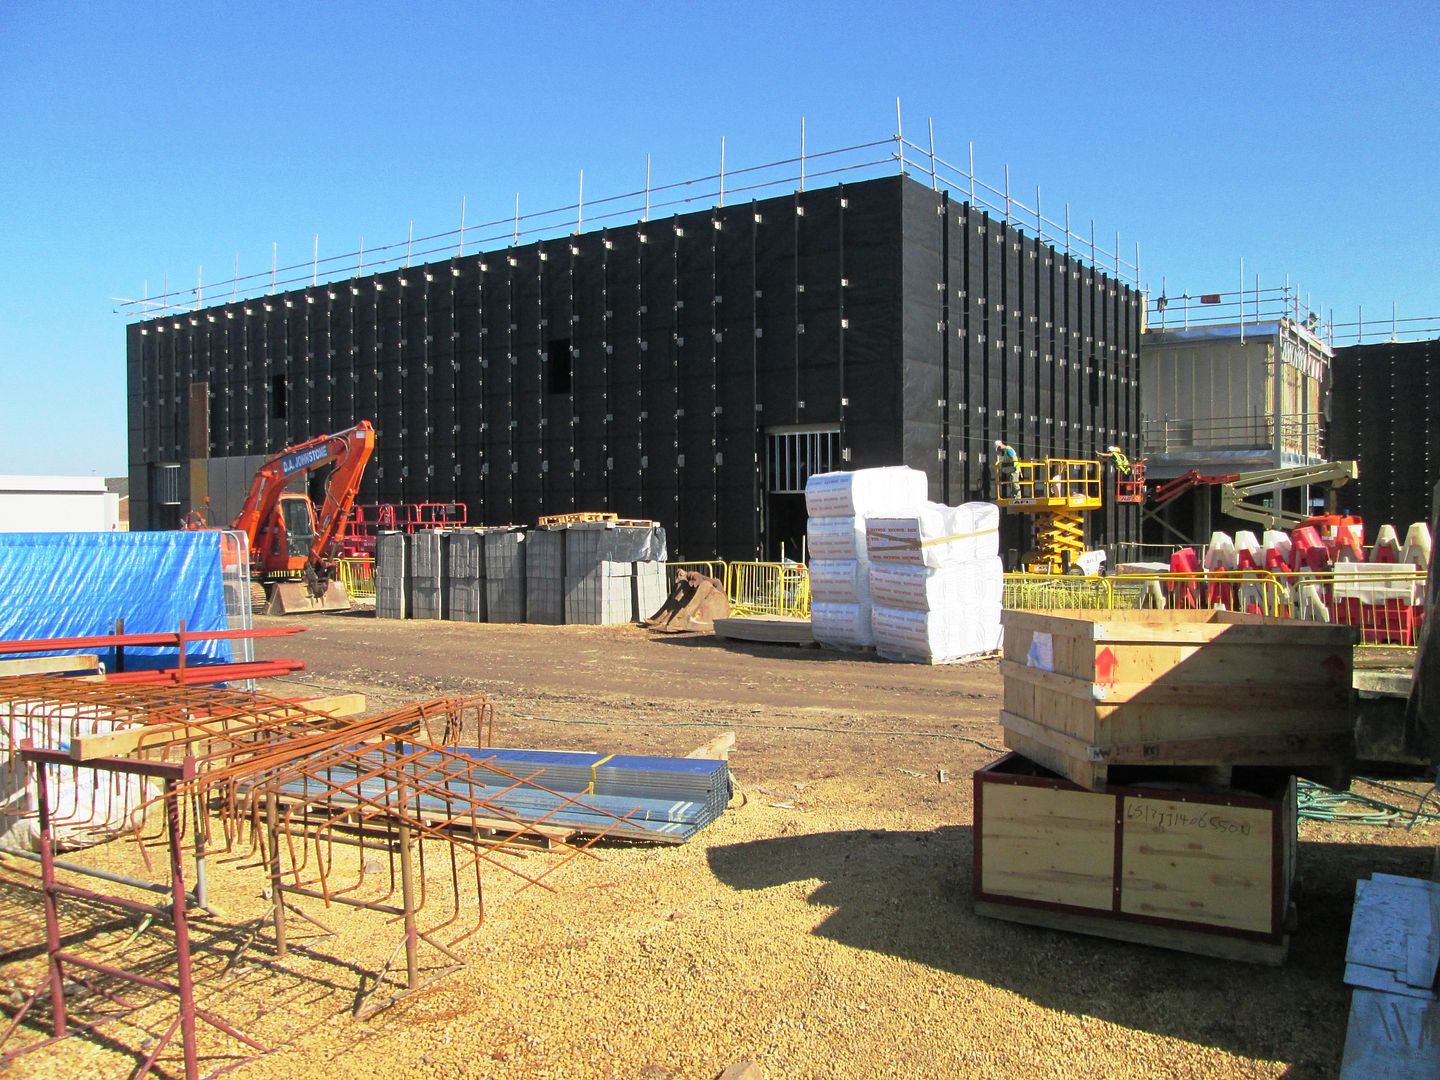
694 369
1227 390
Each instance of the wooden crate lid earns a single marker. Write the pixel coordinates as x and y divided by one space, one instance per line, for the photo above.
1150 626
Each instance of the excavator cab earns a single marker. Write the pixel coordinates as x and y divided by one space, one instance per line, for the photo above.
297 513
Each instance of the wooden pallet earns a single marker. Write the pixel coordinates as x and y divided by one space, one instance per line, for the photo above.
575 519
1268 953
770 629
507 833
595 520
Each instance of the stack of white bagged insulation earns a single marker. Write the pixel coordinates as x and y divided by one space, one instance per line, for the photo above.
838 504
936 582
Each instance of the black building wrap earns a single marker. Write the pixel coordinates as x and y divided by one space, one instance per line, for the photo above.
638 369
1385 415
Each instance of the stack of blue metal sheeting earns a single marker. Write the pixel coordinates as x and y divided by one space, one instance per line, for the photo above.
665 798
660 799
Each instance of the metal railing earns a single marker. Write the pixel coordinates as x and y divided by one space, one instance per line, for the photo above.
1385 604
510 226
358 577
1166 435
1076 481
714 568
1253 305
756 588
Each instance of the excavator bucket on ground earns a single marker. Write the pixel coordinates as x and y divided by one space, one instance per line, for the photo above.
299 598
696 602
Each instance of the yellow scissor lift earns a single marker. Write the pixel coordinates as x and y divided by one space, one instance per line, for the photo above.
1059 492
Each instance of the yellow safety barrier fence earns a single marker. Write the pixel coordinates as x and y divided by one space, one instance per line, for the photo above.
756 588
358 577
1385 603
714 568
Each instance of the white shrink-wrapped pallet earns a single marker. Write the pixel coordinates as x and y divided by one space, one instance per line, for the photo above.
835 538
840 581
913 588
864 492
980 582
935 535
936 637
845 626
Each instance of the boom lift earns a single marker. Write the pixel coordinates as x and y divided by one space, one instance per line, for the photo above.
293 550
1238 498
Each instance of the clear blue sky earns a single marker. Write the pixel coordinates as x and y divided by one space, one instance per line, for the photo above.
143 141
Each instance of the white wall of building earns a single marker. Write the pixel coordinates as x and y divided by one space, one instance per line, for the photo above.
57 504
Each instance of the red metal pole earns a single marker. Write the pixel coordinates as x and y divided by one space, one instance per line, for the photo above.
52 911
181 922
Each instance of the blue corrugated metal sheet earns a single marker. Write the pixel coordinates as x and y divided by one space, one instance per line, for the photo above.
660 799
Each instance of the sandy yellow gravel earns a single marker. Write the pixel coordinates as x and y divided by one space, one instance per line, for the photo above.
827 936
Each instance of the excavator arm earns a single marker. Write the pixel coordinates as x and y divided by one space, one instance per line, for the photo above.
350 450
1238 498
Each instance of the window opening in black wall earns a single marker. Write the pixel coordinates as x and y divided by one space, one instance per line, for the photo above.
279 406
561 369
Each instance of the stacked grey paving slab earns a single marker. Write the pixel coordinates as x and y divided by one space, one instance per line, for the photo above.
427 550
504 565
465 578
545 575
392 581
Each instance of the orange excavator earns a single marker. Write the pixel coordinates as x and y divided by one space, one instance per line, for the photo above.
293 549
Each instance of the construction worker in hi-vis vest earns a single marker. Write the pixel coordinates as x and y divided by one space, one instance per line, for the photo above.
1122 463
1005 458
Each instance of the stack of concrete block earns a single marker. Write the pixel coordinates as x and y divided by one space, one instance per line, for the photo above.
392 580
604 568
585 573
545 576
504 568
605 596
465 577
597 588
651 588
427 551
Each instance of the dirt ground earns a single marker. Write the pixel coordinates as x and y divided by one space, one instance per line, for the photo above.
821 928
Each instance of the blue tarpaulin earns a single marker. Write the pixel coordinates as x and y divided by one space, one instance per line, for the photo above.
60 585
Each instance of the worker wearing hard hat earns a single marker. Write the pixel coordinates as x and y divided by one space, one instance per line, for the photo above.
1122 463
1005 458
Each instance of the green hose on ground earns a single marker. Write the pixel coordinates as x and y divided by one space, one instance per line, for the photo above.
1320 803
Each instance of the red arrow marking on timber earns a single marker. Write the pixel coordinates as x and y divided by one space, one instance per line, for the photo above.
1105 667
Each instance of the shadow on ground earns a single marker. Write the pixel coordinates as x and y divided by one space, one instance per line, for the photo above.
907 894
768 651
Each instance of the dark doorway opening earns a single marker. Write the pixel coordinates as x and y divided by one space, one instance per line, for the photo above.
785 520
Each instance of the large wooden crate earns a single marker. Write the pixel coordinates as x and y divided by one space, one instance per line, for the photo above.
1203 871
1086 690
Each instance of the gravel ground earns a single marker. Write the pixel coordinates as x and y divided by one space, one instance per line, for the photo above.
822 928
